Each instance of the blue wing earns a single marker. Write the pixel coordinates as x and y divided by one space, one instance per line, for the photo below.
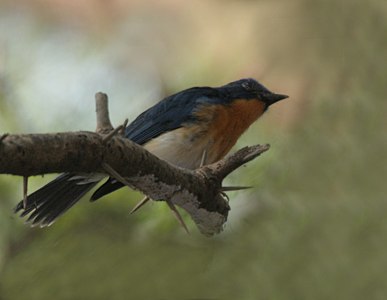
169 114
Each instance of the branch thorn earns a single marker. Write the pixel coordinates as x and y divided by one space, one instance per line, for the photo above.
234 188
139 205
118 130
177 215
25 191
113 173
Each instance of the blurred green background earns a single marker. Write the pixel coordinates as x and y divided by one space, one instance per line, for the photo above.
314 226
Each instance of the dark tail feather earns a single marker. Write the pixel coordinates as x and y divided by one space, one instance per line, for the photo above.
52 200
109 186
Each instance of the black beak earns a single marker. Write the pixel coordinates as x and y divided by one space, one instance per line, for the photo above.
273 98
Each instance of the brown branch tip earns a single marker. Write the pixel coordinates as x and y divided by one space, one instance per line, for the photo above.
102 111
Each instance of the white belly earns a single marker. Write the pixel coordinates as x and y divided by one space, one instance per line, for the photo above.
180 147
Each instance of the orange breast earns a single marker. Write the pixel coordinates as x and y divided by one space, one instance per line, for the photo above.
227 123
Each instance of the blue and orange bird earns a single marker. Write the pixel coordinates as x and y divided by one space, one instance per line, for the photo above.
193 127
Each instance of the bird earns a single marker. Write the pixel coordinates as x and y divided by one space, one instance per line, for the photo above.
191 128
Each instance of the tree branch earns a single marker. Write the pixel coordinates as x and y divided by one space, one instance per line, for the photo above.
198 192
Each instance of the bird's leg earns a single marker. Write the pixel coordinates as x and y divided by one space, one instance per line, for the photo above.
204 157
139 204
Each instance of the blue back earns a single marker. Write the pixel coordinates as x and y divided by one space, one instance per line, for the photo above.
170 113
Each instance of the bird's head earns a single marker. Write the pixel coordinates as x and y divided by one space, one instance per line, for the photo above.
251 89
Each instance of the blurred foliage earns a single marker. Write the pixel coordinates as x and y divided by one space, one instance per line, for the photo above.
314 228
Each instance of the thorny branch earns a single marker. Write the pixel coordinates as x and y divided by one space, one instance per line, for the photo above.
198 192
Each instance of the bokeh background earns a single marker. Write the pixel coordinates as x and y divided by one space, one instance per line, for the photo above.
314 226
